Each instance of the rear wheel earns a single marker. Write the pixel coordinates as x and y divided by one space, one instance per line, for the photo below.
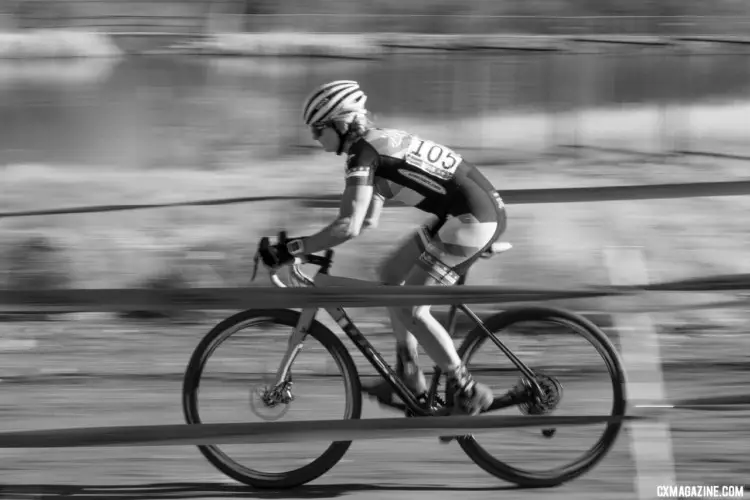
564 350
226 381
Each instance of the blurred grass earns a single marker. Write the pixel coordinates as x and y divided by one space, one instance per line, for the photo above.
555 246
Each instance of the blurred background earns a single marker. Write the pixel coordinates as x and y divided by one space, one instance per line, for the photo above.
108 102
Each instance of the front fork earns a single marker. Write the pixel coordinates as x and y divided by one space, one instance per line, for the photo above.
294 346
283 380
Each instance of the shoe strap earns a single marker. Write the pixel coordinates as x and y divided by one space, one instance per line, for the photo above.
462 380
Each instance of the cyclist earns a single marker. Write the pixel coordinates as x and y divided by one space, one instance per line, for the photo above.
387 164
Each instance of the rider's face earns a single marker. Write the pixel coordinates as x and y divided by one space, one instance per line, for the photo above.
327 137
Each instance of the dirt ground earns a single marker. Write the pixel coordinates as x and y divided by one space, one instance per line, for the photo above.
89 371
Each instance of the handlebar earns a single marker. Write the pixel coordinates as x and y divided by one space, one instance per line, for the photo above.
300 277
323 261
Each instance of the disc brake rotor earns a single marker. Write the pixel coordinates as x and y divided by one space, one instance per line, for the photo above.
271 403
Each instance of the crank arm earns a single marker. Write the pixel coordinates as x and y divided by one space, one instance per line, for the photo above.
510 398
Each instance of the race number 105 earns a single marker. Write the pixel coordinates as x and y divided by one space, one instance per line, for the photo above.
434 159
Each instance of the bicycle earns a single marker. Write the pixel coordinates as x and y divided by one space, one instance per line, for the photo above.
535 393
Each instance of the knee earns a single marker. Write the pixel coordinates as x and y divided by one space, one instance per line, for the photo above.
415 315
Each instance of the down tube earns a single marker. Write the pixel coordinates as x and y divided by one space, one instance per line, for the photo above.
364 345
374 357
346 324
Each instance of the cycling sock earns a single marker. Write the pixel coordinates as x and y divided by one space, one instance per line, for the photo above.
461 379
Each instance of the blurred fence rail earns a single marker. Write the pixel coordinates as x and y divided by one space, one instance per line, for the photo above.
237 298
512 197
282 432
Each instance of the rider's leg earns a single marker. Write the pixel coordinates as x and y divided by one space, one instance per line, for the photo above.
392 272
470 396
433 337
449 249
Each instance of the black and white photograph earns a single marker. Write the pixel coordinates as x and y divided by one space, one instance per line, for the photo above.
374 249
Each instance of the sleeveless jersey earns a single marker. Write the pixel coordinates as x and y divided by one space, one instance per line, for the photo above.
412 171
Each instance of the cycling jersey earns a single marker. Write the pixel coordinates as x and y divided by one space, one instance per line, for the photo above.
412 171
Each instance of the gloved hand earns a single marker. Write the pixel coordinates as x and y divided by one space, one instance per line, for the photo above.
280 254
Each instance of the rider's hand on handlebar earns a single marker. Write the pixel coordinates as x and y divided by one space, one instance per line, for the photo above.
275 256
280 254
284 252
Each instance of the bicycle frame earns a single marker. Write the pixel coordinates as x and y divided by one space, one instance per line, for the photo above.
385 370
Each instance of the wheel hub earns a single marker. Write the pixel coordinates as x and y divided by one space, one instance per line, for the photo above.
271 403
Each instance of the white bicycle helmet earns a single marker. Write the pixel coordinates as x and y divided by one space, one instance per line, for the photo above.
333 99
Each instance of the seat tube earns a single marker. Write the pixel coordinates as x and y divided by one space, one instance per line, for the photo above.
452 314
294 345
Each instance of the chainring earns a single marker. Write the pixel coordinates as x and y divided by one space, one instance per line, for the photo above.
544 403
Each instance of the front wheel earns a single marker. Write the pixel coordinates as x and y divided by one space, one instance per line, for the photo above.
564 350
227 380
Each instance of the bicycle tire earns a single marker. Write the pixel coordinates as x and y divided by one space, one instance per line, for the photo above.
191 385
606 349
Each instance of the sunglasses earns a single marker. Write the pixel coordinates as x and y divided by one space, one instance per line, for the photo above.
318 128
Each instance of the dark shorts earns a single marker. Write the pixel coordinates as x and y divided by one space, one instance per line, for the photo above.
451 245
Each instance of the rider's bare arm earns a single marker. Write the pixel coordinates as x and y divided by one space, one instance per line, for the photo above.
354 207
374 211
